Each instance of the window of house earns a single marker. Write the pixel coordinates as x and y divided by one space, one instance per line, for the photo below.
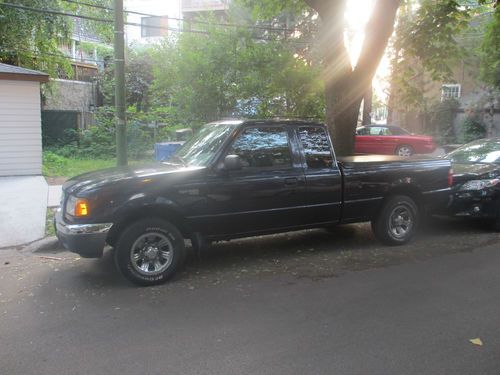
154 26
262 147
450 91
316 147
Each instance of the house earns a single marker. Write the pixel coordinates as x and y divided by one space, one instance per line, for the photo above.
464 86
20 121
71 100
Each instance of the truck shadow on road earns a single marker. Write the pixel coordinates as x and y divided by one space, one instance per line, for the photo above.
314 254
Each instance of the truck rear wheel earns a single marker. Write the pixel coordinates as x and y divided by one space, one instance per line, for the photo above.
397 222
149 251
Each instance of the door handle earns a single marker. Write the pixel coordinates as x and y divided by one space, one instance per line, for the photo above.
291 181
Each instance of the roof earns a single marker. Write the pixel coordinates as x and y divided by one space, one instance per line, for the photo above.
16 73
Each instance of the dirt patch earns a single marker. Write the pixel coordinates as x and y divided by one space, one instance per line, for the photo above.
56 180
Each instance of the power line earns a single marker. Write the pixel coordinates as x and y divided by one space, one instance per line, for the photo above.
167 28
55 12
180 19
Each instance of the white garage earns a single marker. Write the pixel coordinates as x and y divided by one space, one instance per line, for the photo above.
20 121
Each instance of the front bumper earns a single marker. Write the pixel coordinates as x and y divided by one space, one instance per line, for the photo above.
480 208
87 240
484 203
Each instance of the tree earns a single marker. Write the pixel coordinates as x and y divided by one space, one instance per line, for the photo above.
436 37
139 78
31 37
231 72
345 85
490 51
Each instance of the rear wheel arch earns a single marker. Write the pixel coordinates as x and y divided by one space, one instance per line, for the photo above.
408 190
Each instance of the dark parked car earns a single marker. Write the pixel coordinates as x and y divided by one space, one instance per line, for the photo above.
476 187
391 140
242 178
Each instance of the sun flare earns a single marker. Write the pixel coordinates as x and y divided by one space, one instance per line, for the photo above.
357 15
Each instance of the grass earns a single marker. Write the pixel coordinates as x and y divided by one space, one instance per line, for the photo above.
58 166
49 222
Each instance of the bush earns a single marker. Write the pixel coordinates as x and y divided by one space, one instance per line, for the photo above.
472 128
439 121
99 141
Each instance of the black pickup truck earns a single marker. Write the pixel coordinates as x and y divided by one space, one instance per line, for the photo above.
237 179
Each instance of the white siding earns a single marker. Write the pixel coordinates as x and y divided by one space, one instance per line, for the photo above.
20 128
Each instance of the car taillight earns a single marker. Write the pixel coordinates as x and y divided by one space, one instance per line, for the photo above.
450 178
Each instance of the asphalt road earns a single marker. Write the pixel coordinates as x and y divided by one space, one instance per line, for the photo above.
310 302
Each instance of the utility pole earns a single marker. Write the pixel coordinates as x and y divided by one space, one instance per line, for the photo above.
121 124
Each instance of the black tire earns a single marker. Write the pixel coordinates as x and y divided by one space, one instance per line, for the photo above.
397 222
496 223
150 251
404 150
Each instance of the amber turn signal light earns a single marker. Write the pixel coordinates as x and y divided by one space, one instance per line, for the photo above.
82 208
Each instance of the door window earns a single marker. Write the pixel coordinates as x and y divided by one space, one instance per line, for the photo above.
263 147
379 130
316 147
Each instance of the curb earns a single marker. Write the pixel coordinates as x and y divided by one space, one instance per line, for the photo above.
44 245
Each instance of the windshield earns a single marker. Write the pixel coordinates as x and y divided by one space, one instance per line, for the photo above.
482 151
204 144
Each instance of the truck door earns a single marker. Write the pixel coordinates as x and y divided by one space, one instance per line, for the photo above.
267 193
323 178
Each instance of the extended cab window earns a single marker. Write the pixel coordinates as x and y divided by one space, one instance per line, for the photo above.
316 147
262 147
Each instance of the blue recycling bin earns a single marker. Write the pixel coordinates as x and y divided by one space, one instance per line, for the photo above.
165 150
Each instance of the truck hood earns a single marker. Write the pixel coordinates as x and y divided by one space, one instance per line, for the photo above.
111 176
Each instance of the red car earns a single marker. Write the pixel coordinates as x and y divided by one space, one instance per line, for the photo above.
391 140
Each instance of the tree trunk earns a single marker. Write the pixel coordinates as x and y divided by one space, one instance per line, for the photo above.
367 106
345 86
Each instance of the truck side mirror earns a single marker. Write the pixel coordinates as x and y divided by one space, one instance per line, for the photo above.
232 162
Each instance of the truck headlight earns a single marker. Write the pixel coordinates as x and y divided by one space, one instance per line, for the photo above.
479 184
77 207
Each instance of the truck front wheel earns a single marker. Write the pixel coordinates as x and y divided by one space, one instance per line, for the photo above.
397 222
149 251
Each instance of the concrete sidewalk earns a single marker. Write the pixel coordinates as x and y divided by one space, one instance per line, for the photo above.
23 208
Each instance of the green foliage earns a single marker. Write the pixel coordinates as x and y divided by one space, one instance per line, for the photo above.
439 121
490 51
228 73
138 79
53 164
31 39
472 127
431 38
271 8
99 141
103 29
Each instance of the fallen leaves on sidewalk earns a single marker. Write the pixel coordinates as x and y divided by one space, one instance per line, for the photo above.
476 341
